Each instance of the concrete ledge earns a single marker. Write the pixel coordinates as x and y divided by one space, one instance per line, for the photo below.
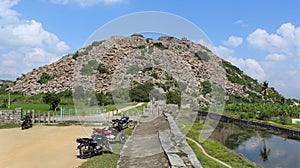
176 161
174 143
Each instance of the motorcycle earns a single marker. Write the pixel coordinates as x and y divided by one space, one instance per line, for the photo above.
124 122
113 134
26 122
89 147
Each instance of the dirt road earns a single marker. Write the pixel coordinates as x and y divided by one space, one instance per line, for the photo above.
40 146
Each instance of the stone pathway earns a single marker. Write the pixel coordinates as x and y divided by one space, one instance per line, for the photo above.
143 149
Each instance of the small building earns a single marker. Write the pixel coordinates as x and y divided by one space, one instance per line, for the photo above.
296 121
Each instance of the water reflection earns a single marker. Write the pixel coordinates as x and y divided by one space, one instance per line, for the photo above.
265 149
264 153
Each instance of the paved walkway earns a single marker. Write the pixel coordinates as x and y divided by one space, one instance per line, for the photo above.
143 149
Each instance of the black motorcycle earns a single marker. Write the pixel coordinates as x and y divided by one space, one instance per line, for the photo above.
89 147
123 123
26 122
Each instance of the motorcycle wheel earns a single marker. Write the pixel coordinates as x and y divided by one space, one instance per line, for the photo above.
82 150
131 125
123 139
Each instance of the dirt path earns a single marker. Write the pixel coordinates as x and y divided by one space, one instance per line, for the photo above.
40 146
206 154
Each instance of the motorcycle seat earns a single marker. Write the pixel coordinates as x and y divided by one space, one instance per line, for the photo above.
98 130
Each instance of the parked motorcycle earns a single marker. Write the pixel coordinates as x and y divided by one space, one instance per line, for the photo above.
89 147
124 122
112 134
26 122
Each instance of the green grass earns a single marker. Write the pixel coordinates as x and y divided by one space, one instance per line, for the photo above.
36 107
204 160
7 126
217 150
106 160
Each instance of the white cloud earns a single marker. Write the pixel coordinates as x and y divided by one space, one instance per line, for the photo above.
286 40
241 23
24 44
233 41
223 52
250 66
5 11
86 3
275 57
282 59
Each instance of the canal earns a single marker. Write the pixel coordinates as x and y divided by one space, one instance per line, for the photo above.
261 147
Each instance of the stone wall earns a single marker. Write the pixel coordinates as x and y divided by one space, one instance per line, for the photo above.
10 116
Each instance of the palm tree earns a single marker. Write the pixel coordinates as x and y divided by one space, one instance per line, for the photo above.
264 153
265 90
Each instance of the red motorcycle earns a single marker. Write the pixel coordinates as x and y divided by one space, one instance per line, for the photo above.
112 134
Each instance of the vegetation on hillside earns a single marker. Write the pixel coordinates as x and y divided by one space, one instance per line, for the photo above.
45 78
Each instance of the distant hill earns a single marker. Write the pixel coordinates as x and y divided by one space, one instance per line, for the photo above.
142 60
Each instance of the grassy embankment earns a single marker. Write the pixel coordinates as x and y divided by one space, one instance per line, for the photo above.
215 149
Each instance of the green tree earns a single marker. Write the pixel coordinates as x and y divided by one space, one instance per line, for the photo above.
52 99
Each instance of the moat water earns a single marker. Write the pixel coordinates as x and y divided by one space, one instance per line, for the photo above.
263 148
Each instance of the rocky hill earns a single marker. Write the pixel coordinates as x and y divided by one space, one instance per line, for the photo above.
126 61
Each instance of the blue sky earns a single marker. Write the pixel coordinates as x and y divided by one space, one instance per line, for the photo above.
260 37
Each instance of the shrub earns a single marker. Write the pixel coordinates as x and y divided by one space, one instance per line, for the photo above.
206 87
45 78
140 93
159 45
284 120
4 104
89 68
154 75
75 55
243 116
251 115
178 47
174 97
141 47
104 98
66 94
96 43
101 69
